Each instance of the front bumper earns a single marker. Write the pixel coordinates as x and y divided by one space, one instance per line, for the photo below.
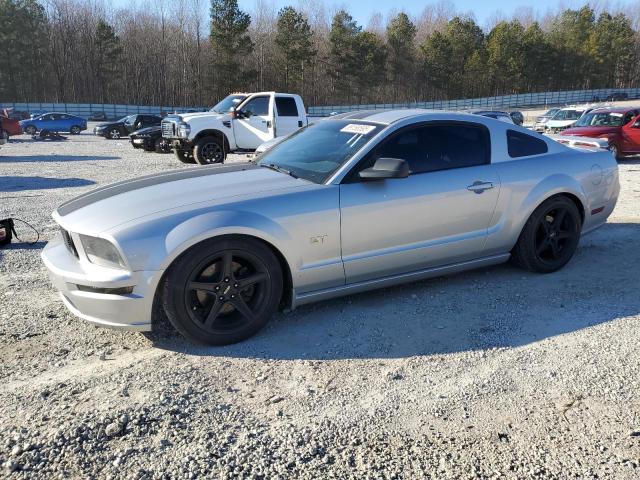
101 132
131 311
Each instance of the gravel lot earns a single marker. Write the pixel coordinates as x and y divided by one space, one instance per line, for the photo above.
495 373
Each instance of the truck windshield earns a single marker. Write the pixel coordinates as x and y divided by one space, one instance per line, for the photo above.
317 151
602 119
226 104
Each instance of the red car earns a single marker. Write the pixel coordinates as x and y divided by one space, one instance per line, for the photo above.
8 127
620 126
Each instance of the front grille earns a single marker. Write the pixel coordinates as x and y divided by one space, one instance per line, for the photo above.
168 129
68 242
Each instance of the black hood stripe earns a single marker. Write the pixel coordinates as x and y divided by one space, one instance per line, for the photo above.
125 186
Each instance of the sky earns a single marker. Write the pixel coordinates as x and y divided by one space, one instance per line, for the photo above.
483 10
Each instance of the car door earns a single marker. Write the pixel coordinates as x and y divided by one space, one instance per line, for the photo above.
439 215
252 125
287 117
631 135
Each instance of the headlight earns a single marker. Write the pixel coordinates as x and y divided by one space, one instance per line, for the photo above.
184 130
604 138
101 252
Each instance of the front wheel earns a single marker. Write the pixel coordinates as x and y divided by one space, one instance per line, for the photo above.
30 130
223 290
615 152
114 134
209 150
160 146
184 156
550 237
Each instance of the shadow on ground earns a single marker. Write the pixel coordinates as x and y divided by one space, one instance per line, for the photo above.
20 183
54 158
497 307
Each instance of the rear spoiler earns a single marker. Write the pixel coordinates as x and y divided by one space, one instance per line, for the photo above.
583 143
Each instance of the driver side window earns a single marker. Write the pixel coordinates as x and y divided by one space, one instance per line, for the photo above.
256 106
434 147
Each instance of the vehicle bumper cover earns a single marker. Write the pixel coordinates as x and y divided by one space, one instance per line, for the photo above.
128 311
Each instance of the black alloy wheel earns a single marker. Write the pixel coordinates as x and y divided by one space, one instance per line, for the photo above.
208 151
223 292
550 236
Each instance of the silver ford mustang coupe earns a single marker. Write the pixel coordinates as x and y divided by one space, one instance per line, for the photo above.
355 202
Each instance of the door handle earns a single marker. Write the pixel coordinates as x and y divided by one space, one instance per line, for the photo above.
479 187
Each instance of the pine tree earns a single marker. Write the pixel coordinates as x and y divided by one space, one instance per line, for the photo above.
107 58
401 34
295 45
231 47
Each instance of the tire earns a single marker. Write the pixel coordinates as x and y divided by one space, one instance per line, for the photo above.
550 237
30 130
114 134
615 151
4 137
159 146
75 130
184 156
209 150
238 289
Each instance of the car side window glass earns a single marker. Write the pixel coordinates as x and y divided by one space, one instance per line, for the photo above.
627 118
439 147
286 107
523 145
256 106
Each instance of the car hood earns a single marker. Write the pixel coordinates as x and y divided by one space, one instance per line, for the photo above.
107 207
188 117
590 131
147 130
109 124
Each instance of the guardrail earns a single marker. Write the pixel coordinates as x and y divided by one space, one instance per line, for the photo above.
523 100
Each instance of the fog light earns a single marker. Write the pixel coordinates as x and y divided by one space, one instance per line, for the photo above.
107 291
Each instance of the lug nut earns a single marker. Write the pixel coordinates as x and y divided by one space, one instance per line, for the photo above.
221 298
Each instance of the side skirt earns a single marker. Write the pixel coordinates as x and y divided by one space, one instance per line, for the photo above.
318 295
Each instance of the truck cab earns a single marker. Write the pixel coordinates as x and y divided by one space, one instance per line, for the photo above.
241 125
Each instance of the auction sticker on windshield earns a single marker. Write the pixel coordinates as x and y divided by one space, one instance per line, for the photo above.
358 128
615 114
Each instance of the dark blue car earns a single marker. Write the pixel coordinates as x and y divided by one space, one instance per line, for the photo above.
54 122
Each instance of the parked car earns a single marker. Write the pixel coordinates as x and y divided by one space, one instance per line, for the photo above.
517 117
8 128
617 97
189 110
497 114
543 119
126 125
150 139
234 125
354 202
565 117
619 126
98 117
18 115
54 122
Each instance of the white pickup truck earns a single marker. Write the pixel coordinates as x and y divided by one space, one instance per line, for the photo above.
239 123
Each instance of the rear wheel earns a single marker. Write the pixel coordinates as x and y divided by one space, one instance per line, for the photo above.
209 150
615 151
550 237
223 290
184 156
75 130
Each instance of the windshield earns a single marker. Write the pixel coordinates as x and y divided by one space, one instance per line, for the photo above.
226 104
567 115
317 151
603 119
550 113
124 119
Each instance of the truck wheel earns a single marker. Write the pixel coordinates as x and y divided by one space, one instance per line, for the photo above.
223 290
184 156
209 150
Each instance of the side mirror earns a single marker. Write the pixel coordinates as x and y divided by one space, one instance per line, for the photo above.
636 123
386 168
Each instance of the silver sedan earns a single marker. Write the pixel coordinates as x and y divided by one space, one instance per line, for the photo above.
359 201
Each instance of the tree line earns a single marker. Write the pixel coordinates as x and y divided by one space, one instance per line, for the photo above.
171 53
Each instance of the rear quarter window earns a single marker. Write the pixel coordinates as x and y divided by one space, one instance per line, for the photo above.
522 145
286 107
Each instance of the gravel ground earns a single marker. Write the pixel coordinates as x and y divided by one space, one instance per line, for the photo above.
495 373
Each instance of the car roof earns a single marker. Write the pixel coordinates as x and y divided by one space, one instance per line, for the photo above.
614 109
388 117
